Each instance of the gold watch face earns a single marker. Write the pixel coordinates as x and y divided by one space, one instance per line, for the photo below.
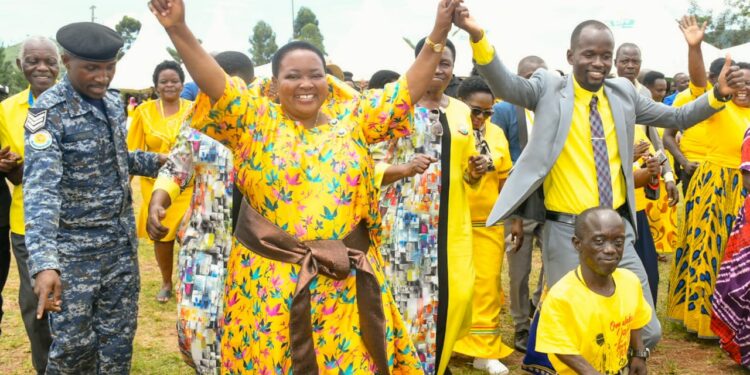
437 47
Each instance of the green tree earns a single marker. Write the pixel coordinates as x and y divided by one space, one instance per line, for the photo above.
728 28
304 16
175 55
9 74
128 28
262 43
311 34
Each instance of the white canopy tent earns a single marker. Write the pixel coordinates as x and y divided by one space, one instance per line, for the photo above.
263 70
135 69
739 53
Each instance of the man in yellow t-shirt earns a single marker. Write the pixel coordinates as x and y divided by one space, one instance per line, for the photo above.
591 319
39 62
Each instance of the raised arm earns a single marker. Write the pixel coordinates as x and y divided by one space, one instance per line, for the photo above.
419 75
652 113
504 83
693 33
202 67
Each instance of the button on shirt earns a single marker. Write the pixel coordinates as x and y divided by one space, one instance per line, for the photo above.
571 186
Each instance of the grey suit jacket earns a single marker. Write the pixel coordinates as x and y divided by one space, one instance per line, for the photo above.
551 98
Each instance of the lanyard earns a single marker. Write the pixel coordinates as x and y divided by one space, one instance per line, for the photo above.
31 98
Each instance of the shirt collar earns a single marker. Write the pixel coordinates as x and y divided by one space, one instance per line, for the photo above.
583 94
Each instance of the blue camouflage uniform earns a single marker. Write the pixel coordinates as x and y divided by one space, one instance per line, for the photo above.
79 221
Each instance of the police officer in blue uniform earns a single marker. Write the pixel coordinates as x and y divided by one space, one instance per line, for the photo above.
80 228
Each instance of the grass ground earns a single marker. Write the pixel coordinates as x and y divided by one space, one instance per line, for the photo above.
155 348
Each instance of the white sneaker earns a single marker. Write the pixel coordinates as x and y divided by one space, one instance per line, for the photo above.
492 366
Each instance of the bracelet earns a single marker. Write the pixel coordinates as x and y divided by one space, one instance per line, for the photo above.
718 96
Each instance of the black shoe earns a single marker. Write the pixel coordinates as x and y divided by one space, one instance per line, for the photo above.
521 340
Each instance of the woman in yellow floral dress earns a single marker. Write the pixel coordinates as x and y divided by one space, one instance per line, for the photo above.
154 128
311 177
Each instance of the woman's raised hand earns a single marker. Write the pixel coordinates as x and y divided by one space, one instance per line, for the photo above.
463 19
168 12
444 19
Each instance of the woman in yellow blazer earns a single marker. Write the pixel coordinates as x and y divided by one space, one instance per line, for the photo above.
154 128
484 341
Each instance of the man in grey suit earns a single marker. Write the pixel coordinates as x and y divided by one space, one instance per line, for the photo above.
517 123
580 152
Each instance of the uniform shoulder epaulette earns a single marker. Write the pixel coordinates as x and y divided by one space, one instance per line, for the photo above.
50 98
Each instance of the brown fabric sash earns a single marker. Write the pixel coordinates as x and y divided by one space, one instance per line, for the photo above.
331 258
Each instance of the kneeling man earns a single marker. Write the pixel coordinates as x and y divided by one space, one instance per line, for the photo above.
591 320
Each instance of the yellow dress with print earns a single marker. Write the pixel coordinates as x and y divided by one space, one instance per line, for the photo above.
314 184
151 131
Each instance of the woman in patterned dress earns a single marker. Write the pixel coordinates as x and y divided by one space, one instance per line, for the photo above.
154 128
311 177
484 342
715 195
731 313
205 235
427 241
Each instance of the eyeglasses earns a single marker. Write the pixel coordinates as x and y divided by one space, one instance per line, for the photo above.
479 111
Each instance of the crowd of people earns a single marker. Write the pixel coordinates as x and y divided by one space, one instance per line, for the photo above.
325 226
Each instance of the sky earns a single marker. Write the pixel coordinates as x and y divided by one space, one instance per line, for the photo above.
361 35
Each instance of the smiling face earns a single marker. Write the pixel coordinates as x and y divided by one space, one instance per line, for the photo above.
742 97
302 85
168 85
628 62
90 78
443 73
601 242
481 108
39 65
591 57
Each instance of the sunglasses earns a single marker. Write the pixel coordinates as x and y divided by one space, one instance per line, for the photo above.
479 111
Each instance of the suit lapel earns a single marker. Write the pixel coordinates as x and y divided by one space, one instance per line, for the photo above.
567 101
620 130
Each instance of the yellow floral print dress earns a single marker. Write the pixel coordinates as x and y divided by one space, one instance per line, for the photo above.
314 184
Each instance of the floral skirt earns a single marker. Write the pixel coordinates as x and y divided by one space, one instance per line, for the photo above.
258 293
662 221
714 197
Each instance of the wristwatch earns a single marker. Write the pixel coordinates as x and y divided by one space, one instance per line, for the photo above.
645 353
436 47
718 96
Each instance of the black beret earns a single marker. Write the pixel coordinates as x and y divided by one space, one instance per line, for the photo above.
90 41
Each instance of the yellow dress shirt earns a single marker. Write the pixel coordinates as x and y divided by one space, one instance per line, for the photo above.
16 108
570 186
